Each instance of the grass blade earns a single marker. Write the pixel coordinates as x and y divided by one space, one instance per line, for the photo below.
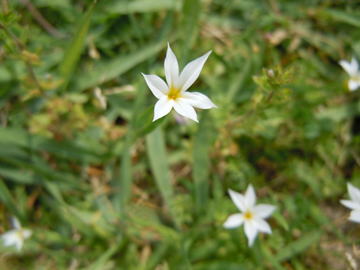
298 246
73 52
108 70
190 22
138 6
201 160
155 144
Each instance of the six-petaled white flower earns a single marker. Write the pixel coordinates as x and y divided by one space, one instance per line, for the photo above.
352 68
173 94
252 216
354 203
16 236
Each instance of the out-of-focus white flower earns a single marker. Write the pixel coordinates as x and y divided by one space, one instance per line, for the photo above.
16 236
252 216
354 203
173 94
352 68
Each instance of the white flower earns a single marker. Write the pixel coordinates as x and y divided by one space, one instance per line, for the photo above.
352 68
252 216
17 236
173 94
354 203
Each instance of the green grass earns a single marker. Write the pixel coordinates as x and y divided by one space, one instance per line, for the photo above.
108 189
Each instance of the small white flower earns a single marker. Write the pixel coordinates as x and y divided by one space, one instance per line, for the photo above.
352 68
252 216
17 236
173 94
354 203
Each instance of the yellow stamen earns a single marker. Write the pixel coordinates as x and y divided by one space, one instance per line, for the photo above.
174 93
248 215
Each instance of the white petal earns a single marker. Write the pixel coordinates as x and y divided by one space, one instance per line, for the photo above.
199 100
354 66
157 86
15 223
355 216
171 68
354 193
19 244
347 67
250 196
234 221
250 232
263 210
162 107
183 108
353 85
192 71
9 238
262 225
238 200
350 204
27 233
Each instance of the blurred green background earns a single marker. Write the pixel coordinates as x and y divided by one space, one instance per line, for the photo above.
102 187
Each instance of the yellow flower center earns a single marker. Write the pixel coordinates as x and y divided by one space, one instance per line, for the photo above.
356 78
20 234
174 93
248 215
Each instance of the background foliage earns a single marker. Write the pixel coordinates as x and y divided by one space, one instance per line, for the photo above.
102 187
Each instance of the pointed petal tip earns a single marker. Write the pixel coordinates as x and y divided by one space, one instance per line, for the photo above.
155 118
230 191
207 54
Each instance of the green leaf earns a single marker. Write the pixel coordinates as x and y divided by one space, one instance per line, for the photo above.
74 51
239 80
345 17
142 217
104 258
6 198
155 145
16 175
190 22
203 142
107 70
15 137
143 122
123 175
138 6
298 246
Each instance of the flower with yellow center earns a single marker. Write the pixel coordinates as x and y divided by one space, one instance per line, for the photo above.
173 94
353 203
352 68
16 236
252 216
